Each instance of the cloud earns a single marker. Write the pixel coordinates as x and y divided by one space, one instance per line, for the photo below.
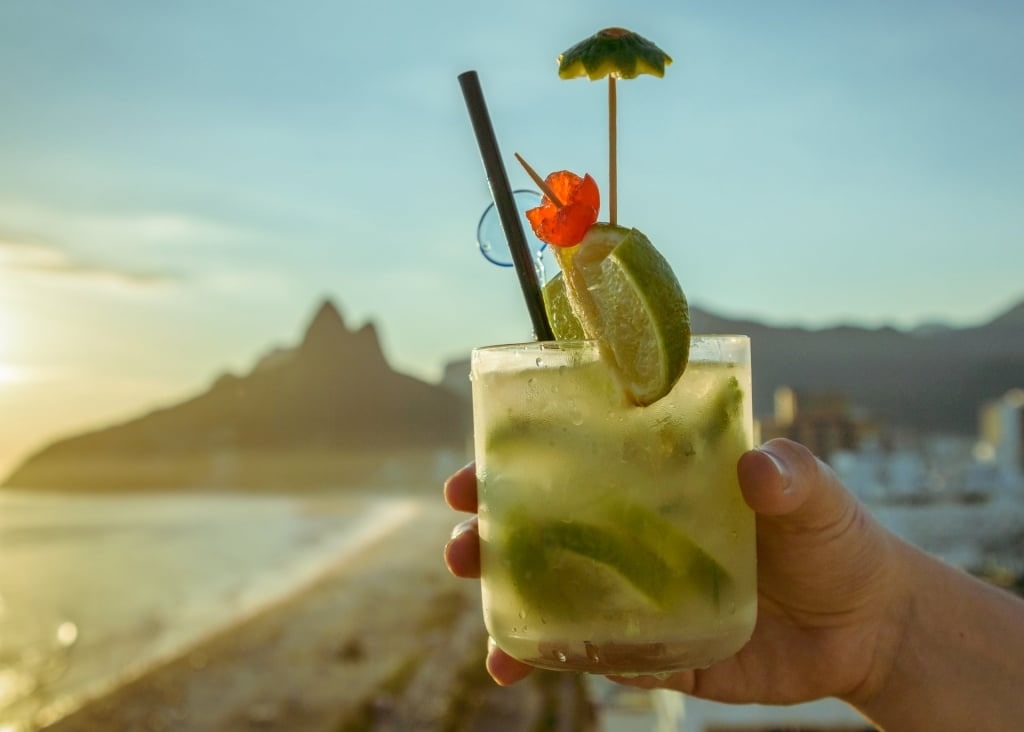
103 228
151 229
233 282
37 256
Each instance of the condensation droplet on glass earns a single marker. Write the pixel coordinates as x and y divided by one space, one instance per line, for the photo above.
592 652
538 264
67 634
539 362
522 613
561 657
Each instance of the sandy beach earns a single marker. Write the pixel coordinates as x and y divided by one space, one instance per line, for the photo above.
386 639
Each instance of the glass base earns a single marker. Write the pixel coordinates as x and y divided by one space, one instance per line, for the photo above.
627 658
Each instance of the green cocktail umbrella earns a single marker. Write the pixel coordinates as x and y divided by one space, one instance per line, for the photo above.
618 54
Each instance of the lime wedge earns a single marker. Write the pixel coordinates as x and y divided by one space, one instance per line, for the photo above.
564 323
684 557
725 409
569 568
625 294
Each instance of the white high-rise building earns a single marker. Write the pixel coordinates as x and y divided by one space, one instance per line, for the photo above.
1002 430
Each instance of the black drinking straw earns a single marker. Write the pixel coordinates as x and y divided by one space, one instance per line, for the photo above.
501 192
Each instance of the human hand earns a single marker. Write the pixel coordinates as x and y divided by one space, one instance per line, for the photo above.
831 599
462 555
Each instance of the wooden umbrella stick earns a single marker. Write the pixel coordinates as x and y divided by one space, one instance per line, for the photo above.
613 172
535 177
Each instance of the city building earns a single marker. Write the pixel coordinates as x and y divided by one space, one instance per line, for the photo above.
1001 427
824 422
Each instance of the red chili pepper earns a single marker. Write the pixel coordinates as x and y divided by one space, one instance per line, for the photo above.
566 225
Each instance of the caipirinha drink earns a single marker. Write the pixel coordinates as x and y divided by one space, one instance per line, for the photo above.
614 537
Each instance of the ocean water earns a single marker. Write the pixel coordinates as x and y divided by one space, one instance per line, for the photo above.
95 588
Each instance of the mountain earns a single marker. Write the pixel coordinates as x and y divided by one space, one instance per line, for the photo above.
1012 318
334 392
931 379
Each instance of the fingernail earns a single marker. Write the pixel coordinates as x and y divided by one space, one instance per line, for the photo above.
462 528
780 467
468 466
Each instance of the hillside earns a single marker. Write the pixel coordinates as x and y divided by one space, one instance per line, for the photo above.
334 393
931 379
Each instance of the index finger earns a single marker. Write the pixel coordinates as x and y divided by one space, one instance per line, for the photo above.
460 489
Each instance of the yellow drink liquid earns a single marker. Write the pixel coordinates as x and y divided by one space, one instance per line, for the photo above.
614 538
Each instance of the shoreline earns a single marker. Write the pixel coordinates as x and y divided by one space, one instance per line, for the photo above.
377 520
304 471
376 636
385 640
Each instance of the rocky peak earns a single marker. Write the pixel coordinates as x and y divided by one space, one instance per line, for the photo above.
326 327
328 340
366 339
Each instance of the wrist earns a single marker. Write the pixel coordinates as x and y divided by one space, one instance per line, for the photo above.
955 660
897 624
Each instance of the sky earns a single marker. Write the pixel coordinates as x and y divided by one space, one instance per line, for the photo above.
181 184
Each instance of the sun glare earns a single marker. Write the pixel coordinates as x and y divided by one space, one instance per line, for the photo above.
10 374
5 338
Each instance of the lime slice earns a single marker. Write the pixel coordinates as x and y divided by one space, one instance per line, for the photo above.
625 294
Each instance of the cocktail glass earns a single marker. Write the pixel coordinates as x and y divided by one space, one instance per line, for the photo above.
614 538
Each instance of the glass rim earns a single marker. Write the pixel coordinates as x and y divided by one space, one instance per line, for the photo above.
579 344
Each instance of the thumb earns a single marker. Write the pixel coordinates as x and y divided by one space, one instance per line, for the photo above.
784 480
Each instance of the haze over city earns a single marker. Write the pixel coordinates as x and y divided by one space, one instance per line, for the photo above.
182 184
